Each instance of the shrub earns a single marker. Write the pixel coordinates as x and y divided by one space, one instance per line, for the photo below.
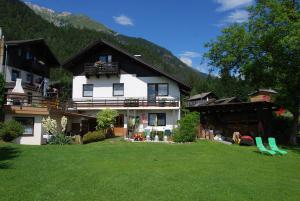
60 139
10 130
106 118
94 136
187 130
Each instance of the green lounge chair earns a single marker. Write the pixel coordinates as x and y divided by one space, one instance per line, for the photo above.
273 145
262 148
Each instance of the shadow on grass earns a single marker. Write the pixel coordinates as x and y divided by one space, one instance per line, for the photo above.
6 154
295 149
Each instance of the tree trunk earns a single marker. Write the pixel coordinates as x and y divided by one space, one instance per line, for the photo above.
295 128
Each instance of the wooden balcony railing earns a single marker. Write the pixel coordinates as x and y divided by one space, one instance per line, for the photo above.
101 69
24 100
130 102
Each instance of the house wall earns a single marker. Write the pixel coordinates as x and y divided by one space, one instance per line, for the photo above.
172 116
36 139
23 74
134 87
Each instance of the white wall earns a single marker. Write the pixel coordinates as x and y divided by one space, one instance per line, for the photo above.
172 116
36 139
134 87
23 74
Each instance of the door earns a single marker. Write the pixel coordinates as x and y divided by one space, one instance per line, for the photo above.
84 126
151 94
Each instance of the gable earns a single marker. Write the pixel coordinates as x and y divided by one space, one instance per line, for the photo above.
127 62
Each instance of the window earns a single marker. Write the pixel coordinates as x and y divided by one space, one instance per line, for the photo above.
28 55
158 89
15 74
88 90
162 89
156 119
105 58
118 89
29 78
29 98
27 123
19 52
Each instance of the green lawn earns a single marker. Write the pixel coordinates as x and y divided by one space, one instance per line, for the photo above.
115 170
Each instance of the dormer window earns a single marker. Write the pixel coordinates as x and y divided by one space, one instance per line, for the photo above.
105 58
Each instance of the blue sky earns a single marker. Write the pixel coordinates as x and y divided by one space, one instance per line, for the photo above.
183 27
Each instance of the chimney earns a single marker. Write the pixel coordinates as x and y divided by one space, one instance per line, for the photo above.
18 89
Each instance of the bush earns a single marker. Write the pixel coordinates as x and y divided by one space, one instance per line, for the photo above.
106 118
281 129
94 136
187 130
10 130
60 139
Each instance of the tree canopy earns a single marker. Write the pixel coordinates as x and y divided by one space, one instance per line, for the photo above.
263 52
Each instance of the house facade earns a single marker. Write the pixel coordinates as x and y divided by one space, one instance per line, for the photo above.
105 76
25 65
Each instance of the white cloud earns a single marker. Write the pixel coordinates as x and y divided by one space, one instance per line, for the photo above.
238 16
188 61
123 20
226 5
190 54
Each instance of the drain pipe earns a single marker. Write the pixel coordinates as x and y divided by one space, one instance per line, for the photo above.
5 63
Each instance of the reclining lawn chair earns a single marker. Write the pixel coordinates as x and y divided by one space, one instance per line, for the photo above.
262 148
273 145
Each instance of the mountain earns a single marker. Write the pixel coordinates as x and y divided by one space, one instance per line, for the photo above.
65 39
67 18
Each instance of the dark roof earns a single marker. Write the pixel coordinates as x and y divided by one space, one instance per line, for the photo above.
214 101
69 61
227 100
263 90
201 96
39 42
237 106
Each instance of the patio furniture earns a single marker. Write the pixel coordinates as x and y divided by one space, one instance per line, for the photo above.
273 146
168 132
262 148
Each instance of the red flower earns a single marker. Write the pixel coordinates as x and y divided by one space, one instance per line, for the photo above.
280 112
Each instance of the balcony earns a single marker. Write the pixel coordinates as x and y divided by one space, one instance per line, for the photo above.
124 102
27 104
98 69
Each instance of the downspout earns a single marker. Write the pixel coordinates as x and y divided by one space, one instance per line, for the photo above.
5 63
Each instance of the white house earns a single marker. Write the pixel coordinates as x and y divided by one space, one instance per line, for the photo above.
105 76
25 65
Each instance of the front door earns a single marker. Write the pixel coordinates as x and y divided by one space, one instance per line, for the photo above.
151 94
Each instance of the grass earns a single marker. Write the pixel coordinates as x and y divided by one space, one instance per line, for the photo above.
115 170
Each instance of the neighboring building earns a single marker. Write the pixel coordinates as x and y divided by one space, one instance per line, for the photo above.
105 76
26 65
229 115
267 95
203 98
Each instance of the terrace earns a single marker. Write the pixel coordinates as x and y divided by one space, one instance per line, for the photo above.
29 104
124 102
